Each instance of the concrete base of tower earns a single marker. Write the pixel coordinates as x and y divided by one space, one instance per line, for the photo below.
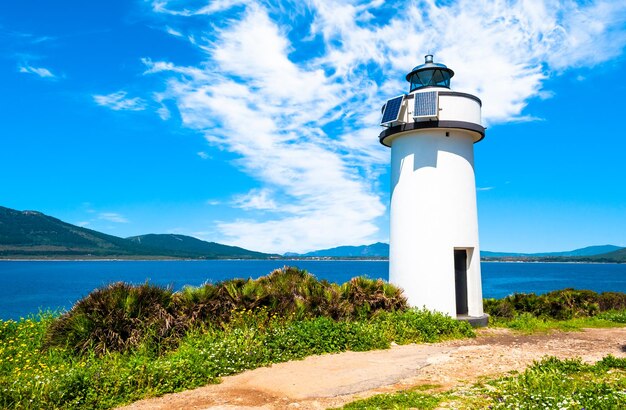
475 321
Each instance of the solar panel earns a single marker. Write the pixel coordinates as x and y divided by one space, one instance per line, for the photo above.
392 110
425 105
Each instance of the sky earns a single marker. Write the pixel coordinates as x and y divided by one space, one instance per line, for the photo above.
255 123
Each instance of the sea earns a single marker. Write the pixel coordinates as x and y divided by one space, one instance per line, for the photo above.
28 287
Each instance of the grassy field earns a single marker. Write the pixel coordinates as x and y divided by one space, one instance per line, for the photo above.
122 343
548 384
36 378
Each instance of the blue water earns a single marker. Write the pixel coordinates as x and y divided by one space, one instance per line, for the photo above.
28 286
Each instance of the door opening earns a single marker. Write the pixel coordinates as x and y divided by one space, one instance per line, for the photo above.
460 280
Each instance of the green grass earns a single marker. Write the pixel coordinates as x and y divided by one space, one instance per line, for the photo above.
564 384
527 323
548 384
123 343
412 398
35 378
402 400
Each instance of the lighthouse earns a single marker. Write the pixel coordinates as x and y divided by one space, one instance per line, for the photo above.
434 252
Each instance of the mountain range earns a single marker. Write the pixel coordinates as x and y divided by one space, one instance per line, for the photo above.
599 253
587 251
375 250
32 234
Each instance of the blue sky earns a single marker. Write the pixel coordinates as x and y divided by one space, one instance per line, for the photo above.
255 123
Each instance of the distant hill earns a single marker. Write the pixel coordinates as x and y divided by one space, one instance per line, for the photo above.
381 250
32 234
192 247
615 256
587 251
375 250
489 254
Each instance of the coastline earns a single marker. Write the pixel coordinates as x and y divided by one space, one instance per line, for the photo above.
316 259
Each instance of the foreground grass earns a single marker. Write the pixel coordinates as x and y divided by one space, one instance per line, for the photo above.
528 323
548 384
33 378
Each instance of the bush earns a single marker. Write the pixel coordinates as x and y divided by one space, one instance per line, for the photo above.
560 304
117 317
612 301
364 296
122 317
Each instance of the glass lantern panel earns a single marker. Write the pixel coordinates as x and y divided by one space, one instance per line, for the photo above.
425 77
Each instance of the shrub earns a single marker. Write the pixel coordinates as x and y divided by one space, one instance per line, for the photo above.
612 301
122 317
207 303
117 317
364 296
290 292
571 303
560 304
499 308
613 316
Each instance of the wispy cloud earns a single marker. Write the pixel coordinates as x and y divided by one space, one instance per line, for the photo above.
118 101
112 217
485 188
317 188
256 199
38 71
178 8
313 145
173 32
203 155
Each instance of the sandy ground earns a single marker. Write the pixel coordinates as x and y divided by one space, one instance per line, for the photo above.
320 382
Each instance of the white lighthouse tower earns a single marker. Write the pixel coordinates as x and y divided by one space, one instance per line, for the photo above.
434 252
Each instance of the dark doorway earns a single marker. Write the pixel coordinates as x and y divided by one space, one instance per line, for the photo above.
460 280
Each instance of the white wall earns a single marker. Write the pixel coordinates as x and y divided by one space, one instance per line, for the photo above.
433 211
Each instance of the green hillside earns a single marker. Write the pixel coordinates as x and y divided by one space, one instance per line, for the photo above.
615 256
187 246
31 234
375 250
582 252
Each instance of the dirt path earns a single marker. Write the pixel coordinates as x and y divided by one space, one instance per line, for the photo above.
320 382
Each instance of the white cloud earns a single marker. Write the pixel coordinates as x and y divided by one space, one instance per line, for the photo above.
501 51
163 112
112 217
119 102
306 127
256 199
316 186
180 8
203 155
38 71
173 32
